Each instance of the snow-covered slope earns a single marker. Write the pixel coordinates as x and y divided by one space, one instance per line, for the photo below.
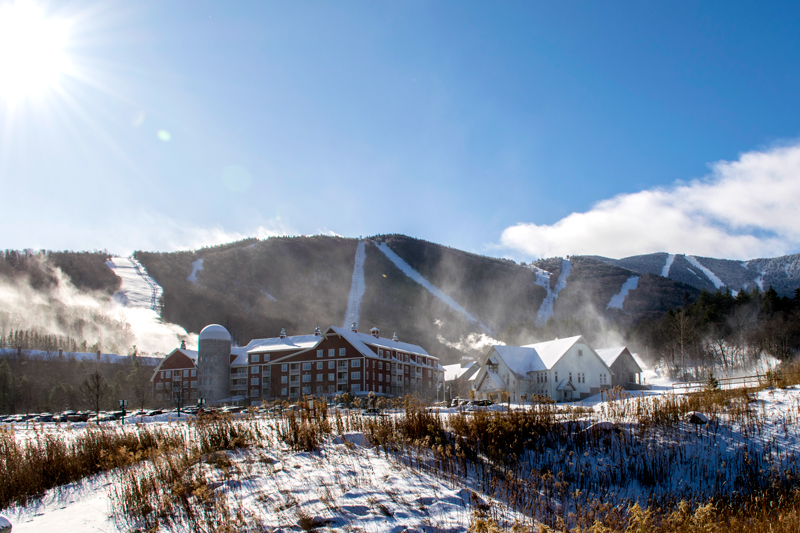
416 276
357 287
138 288
543 280
618 299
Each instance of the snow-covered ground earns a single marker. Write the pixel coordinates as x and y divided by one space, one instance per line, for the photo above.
357 287
346 486
416 276
197 266
618 299
667 265
543 280
710 275
138 288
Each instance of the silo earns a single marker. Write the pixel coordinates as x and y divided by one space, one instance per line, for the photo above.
214 363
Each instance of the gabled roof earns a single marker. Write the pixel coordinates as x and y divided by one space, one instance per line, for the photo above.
537 357
610 355
360 342
452 372
191 354
565 383
497 380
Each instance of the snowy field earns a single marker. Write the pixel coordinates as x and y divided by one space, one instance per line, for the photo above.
633 449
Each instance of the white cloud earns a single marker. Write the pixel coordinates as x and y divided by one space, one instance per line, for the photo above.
743 209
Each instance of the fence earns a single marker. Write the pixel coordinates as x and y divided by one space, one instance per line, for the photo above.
742 382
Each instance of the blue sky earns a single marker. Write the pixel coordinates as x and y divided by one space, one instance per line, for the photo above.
513 128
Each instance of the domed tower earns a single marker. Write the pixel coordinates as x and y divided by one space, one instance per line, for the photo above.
214 363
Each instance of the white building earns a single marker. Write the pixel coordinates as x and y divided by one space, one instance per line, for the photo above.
561 370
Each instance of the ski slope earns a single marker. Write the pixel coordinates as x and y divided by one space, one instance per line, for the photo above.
357 287
710 275
618 299
667 265
138 288
543 280
416 276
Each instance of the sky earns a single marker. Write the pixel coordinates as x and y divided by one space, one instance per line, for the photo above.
515 129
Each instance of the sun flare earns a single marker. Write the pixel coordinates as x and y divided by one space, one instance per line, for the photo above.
32 55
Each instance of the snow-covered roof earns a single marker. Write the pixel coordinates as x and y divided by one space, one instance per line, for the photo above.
609 355
191 354
392 345
564 384
535 357
277 344
452 372
214 332
498 381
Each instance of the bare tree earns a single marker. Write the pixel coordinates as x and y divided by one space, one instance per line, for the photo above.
94 389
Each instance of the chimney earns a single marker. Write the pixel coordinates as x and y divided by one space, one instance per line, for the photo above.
317 332
353 327
394 337
375 332
283 333
98 355
183 345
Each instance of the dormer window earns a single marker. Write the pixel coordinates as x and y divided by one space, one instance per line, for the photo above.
580 352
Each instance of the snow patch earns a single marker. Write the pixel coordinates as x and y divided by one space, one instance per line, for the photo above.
357 287
710 275
416 276
760 280
138 288
667 265
197 266
268 295
543 280
619 299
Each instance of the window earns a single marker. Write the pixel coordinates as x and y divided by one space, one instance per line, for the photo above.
255 358
556 378
159 386
331 376
355 375
331 352
356 388
331 365
380 376
254 381
284 379
342 364
294 367
380 365
176 373
319 365
283 391
266 358
570 376
194 372
186 373
342 351
265 380
284 367
265 369
306 378
355 363
306 390
254 370
580 352
319 377
306 366
320 353
380 352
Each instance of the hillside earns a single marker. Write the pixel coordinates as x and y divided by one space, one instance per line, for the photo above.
449 301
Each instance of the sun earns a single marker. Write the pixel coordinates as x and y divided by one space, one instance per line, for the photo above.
32 50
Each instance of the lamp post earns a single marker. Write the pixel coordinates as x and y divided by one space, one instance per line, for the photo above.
122 405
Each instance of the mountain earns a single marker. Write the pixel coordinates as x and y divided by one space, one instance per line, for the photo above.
449 301
707 273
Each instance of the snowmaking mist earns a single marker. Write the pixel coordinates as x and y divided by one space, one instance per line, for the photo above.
61 315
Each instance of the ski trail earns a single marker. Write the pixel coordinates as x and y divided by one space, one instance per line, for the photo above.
357 287
619 299
543 280
138 288
667 265
197 266
710 275
416 276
